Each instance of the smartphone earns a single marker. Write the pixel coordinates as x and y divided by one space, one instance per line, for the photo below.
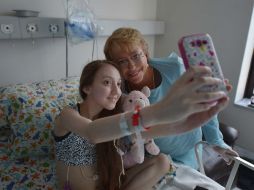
198 49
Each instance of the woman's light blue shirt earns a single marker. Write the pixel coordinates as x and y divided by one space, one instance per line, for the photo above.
181 147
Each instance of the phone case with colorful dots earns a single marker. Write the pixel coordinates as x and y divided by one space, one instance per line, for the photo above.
198 49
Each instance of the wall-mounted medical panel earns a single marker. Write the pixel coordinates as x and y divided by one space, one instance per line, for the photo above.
31 27
43 27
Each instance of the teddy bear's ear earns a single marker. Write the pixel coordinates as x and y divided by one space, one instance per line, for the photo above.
146 91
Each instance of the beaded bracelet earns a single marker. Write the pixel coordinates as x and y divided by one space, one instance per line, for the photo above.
136 123
137 120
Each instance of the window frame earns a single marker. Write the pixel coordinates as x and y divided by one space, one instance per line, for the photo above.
249 89
246 78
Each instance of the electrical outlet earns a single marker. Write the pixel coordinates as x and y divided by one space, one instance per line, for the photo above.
7 28
53 28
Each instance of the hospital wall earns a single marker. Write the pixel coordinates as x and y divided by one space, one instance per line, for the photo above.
42 59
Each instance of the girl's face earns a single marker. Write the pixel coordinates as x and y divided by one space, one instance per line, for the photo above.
133 63
105 90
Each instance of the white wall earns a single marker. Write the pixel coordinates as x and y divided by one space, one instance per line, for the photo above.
227 21
21 61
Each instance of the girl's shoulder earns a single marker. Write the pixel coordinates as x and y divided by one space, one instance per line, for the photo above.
70 108
66 112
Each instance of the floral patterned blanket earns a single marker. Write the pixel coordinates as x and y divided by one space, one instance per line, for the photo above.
27 119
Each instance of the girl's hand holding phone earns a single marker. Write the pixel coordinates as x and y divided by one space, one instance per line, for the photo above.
198 49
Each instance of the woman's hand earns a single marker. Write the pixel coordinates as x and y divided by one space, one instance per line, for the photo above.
227 154
184 101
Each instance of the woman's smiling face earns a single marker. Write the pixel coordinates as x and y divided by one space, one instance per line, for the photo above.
133 63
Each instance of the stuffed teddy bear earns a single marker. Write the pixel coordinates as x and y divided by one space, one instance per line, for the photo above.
133 146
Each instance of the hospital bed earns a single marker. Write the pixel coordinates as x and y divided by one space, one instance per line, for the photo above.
237 162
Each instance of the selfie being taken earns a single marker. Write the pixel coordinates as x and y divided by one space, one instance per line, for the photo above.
155 95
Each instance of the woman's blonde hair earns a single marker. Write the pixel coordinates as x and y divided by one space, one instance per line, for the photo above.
124 38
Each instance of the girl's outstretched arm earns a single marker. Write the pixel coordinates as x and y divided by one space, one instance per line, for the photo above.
182 105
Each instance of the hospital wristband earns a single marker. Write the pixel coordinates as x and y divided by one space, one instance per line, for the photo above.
124 126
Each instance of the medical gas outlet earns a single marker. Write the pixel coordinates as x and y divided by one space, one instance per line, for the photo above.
7 28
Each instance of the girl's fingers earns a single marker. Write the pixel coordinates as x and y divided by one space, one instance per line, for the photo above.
200 70
185 94
221 104
214 107
195 71
208 97
201 107
204 101
200 82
